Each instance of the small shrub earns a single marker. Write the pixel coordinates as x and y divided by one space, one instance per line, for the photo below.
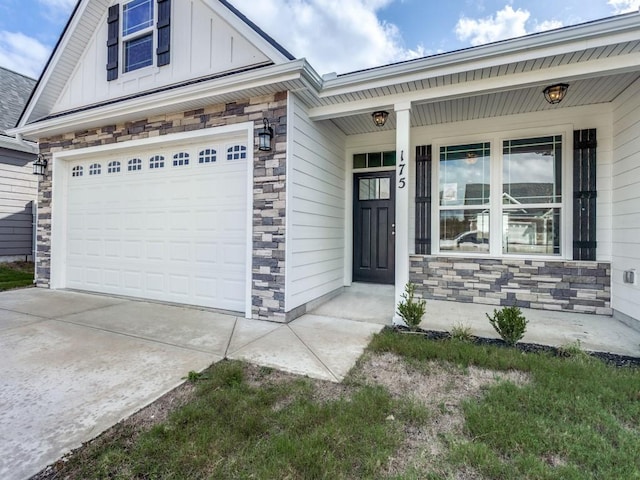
409 309
509 323
462 333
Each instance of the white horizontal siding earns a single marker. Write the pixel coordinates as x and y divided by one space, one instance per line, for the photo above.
626 200
315 208
598 117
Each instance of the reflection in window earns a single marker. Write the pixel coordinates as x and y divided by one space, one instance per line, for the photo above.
134 165
181 159
374 189
531 231
137 15
77 171
465 175
95 169
237 152
138 53
208 155
113 167
464 230
532 171
155 162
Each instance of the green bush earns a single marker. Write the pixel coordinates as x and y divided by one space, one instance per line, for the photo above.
509 323
409 309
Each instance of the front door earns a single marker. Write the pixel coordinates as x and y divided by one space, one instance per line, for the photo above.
374 213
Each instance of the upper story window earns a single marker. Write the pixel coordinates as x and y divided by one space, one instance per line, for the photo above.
139 35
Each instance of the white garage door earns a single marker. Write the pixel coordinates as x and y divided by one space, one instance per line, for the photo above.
166 224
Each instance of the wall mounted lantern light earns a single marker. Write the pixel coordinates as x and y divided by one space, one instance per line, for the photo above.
380 118
40 165
264 137
555 93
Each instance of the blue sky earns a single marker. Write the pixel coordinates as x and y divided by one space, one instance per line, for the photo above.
334 35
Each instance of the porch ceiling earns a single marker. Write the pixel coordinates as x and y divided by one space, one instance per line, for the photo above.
581 92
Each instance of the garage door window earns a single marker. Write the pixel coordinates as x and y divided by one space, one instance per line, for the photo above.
155 162
237 152
181 159
208 155
95 169
134 165
77 171
113 167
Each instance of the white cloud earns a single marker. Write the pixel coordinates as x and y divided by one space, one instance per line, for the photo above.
22 54
506 23
333 35
624 6
65 5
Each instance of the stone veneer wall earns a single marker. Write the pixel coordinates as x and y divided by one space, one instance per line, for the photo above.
581 287
269 185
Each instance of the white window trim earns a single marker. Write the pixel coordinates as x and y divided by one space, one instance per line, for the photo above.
495 140
140 33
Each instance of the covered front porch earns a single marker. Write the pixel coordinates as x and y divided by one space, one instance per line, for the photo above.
499 196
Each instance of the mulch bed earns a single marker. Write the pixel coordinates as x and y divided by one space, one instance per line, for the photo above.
610 358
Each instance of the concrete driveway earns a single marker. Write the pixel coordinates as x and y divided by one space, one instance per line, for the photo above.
74 364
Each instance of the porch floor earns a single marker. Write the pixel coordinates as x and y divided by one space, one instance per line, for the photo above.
375 304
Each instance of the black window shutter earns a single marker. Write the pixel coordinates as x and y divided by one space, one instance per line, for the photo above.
113 25
164 32
584 190
423 200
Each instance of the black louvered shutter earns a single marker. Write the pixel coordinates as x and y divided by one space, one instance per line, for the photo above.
423 200
164 32
113 24
584 190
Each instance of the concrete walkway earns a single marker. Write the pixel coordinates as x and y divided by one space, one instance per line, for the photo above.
74 364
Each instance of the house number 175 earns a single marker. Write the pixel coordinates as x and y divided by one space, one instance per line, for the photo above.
402 179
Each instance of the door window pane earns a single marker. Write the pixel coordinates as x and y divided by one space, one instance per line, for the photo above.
465 175
532 171
374 189
531 231
464 230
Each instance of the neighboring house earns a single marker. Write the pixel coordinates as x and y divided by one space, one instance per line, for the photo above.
149 115
18 185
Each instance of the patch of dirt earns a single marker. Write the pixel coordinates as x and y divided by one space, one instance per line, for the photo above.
439 387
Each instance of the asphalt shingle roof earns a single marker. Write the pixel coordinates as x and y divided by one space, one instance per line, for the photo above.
14 94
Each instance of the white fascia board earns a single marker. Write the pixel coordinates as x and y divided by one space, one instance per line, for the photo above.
137 107
567 73
570 39
12 143
57 54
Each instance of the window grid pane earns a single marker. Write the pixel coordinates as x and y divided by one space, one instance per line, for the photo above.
95 169
181 159
531 231
137 15
134 165
138 53
113 167
465 230
155 162
207 155
465 175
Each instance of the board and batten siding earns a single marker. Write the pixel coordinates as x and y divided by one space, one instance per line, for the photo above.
202 44
18 191
626 200
315 208
516 126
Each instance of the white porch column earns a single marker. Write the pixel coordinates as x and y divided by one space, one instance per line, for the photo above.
403 155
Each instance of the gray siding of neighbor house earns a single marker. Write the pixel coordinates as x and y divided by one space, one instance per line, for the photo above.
18 189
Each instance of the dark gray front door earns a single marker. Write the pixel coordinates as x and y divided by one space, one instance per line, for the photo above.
374 216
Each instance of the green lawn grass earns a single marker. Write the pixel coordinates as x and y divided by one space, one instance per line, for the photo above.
576 419
15 275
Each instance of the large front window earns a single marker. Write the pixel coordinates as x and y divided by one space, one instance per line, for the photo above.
501 203
464 192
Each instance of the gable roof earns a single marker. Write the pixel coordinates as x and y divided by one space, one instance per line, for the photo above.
83 22
16 89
